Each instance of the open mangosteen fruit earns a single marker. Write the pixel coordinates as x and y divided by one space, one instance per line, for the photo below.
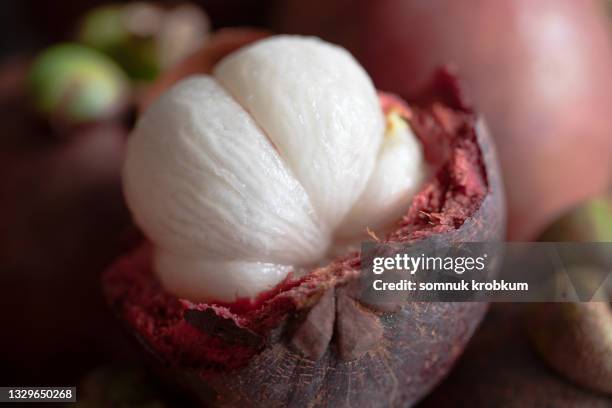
254 185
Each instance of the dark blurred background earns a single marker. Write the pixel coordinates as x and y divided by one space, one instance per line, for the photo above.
29 24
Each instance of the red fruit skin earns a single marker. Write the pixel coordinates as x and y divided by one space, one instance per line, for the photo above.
539 71
314 343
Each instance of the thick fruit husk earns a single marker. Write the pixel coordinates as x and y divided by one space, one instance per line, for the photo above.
311 342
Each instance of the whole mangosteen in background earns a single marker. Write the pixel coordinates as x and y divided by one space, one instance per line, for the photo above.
499 368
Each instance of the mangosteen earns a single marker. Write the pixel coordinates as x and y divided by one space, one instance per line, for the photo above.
145 38
500 369
591 221
575 338
254 183
72 85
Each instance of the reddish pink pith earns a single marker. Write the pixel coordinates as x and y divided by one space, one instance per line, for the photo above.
216 337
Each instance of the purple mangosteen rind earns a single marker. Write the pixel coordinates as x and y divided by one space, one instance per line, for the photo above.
311 341
499 368
584 328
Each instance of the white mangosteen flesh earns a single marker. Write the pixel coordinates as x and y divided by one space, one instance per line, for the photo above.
240 178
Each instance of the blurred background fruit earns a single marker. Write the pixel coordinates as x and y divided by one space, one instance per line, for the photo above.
538 70
145 37
575 338
36 23
75 84
590 221
499 369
